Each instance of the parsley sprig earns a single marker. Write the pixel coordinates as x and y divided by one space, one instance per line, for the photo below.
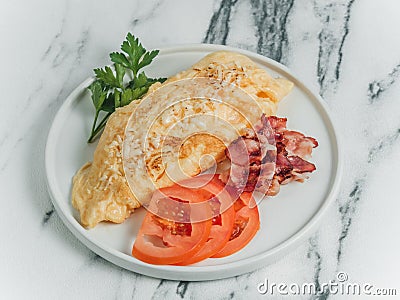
110 90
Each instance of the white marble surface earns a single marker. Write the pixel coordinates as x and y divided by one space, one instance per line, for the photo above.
348 50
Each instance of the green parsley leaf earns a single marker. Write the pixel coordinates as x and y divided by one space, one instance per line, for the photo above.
117 98
120 73
108 104
119 58
107 76
109 91
142 80
147 59
98 94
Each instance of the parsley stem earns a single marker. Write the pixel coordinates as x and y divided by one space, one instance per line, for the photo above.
98 129
94 125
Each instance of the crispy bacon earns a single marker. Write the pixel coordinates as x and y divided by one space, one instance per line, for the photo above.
256 167
276 123
298 144
245 157
300 165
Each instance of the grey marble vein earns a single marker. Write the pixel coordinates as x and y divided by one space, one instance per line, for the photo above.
61 55
383 144
377 87
160 290
93 259
133 277
6 160
6 136
79 52
59 97
347 211
335 19
270 18
64 52
53 41
218 28
145 16
314 253
4 139
244 278
136 276
182 288
47 216
32 96
81 45
346 31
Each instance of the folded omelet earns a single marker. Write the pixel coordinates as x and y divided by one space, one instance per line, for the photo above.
177 130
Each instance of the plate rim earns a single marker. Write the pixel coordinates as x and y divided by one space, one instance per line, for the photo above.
196 273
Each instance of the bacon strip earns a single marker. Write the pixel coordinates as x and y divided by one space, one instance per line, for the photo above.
256 167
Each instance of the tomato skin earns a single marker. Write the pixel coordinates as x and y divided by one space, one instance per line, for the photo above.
213 230
147 252
220 233
219 237
247 217
211 184
172 247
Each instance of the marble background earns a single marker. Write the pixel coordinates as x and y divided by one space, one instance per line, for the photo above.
347 50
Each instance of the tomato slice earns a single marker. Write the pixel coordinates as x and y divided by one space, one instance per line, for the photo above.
211 184
222 222
194 220
164 241
220 234
246 225
223 215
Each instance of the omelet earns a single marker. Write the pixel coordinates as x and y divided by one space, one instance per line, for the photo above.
177 130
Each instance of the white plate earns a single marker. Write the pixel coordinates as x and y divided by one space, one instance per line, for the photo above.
286 220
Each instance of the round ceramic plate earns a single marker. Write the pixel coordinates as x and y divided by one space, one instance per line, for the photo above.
286 220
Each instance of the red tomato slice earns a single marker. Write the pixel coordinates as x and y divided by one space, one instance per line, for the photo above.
246 225
220 234
210 184
223 216
163 241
